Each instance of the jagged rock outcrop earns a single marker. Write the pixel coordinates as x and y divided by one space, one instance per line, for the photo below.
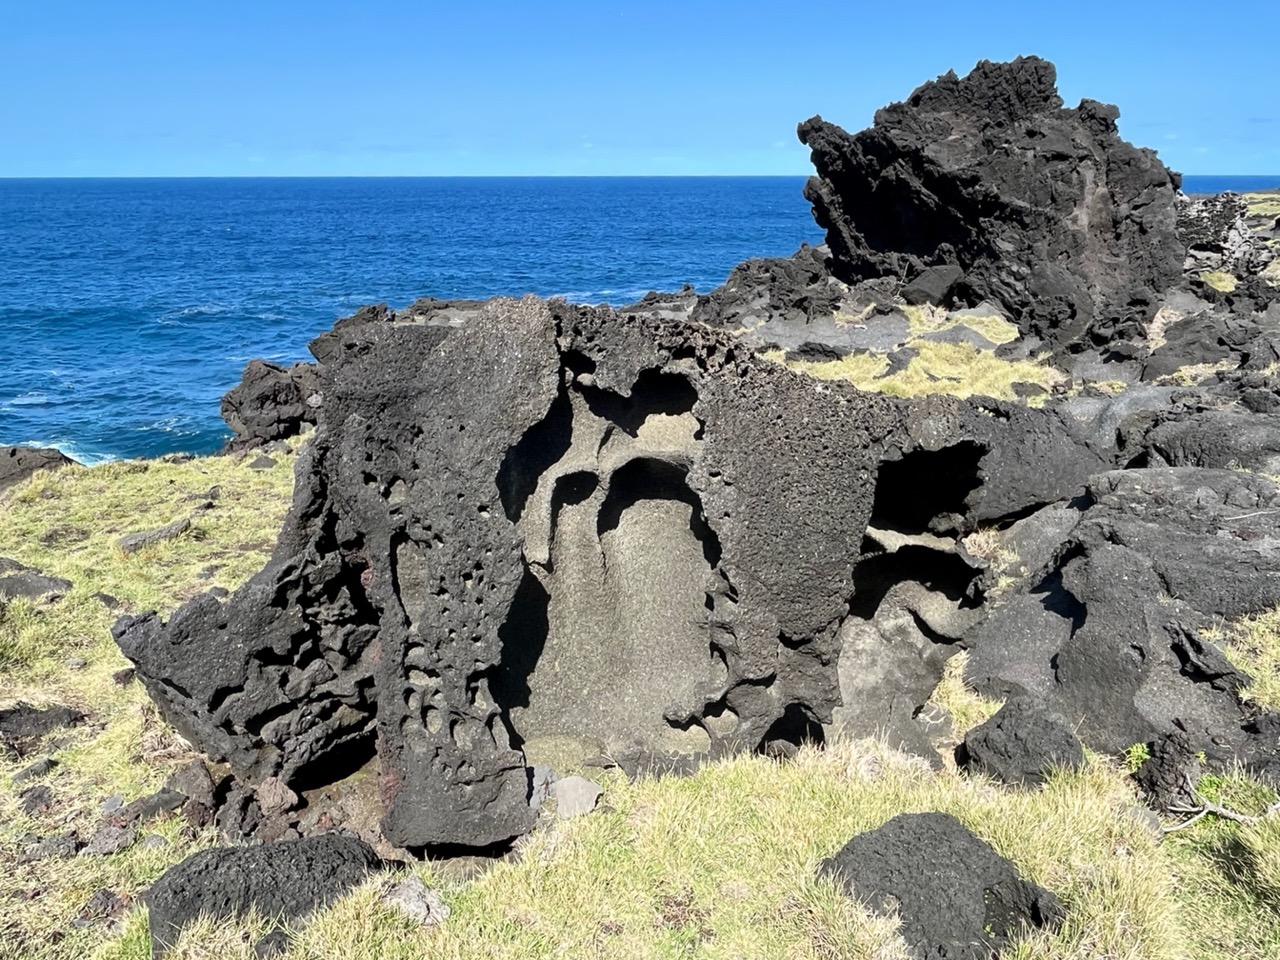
1045 211
1110 632
271 403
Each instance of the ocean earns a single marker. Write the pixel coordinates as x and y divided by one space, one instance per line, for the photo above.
128 307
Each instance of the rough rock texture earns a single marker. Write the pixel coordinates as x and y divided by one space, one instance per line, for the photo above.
1108 633
1046 211
1022 744
1219 237
958 899
18 463
492 502
280 880
271 403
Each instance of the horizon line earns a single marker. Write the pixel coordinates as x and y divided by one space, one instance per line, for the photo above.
490 176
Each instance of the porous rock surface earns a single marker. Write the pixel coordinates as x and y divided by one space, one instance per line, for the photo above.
958 899
1043 210
281 881
1022 744
532 535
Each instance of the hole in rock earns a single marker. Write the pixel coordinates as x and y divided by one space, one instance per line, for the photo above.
943 573
794 728
533 454
926 490
336 764
654 393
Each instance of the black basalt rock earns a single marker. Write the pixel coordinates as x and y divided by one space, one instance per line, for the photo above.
19 463
1022 744
958 899
282 881
1045 211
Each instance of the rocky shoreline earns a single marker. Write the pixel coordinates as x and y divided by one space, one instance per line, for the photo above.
1020 413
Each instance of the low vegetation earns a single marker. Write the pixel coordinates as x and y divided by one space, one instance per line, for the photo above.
717 865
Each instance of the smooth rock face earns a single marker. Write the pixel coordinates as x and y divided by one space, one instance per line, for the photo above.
1022 744
958 899
287 880
1045 211
18 463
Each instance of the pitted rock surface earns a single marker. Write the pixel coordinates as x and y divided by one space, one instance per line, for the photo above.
1022 744
1045 211
958 898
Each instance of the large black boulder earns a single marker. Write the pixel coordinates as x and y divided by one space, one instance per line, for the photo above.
1044 211
958 899
280 881
271 403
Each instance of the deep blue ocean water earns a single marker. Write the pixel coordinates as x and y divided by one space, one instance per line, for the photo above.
128 307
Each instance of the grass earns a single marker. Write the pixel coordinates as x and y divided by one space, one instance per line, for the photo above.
717 865
956 369
66 524
1220 281
1253 645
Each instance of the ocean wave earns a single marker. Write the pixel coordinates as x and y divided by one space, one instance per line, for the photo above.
31 398
69 448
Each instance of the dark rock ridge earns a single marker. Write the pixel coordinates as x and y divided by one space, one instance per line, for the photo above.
1042 210
958 899
18 463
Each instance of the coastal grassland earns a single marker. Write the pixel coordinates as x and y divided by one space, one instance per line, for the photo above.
66 523
717 865
956 369
722 865
1264 204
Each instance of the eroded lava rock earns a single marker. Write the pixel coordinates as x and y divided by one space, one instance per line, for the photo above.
1045 211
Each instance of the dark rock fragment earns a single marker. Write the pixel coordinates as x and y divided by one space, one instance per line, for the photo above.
1169 775
36 800
286 881
24 722
1021 744
18 463
932 284
270 403
38 769
145 539
31 585
958 899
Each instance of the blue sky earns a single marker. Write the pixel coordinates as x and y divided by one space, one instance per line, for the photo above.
383 87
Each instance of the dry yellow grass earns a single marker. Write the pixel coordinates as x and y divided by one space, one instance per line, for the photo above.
1220 281
955 369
